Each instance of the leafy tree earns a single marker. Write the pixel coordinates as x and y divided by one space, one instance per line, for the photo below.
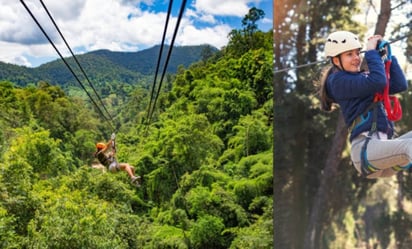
180 146
163 237
250 19
207 233
256 69
16 176
41 152
258 235
66 219
217 202
223 102
258 181
14 112
9 238
241 41
252 136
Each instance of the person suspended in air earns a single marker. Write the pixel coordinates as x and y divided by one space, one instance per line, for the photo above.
365 100
106 155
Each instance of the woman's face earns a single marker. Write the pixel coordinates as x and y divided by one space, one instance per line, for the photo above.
350 61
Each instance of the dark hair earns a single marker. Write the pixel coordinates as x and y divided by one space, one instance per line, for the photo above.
326 103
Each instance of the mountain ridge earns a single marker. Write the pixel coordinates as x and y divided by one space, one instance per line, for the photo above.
106 66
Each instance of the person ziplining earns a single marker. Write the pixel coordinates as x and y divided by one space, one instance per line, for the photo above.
106 155
365 102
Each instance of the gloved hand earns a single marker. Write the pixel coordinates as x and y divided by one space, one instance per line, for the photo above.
384 50
381 47
113 136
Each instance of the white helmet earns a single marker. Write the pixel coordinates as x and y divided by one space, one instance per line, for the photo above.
339 42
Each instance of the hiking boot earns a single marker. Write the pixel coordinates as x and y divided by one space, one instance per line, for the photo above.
136 180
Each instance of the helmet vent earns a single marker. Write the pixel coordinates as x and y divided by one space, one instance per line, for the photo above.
335 41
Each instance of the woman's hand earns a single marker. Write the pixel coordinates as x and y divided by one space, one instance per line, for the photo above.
372 42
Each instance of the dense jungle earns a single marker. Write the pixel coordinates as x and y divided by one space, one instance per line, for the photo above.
205 155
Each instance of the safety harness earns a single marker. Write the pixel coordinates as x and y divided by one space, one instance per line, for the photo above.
394 112
366 167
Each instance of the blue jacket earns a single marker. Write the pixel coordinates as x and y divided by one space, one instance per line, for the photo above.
354 92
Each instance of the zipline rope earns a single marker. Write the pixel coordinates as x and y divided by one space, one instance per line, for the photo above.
182 8
77 62
169 10
67 65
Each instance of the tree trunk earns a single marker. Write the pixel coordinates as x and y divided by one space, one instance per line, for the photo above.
281 172
383 17
330 171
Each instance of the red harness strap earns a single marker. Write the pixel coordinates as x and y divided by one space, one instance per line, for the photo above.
394 112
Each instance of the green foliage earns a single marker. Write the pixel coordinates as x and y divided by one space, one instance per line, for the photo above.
179 146
254 176
21 75
66 219
41 152
259 235
256 70
217 202
252 136
164 237
249 38
9 239
16 176
207 233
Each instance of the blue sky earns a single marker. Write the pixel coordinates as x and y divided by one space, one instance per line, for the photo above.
117 25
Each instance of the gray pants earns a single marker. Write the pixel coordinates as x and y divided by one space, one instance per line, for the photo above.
114 166
383 153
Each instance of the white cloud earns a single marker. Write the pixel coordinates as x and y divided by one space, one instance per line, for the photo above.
223 7
206 18
216 36
70 11
16 25
13 54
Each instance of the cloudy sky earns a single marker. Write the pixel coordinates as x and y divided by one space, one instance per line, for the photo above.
117 25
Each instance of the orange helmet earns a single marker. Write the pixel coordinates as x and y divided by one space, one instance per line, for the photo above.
100 146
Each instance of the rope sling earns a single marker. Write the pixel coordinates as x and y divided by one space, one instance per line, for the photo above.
394 112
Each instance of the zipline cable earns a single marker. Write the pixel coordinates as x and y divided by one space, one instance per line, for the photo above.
182 8
324 61
65 62
169 10
75 58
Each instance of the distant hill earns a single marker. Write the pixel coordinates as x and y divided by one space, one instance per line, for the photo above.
145 61
105 66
